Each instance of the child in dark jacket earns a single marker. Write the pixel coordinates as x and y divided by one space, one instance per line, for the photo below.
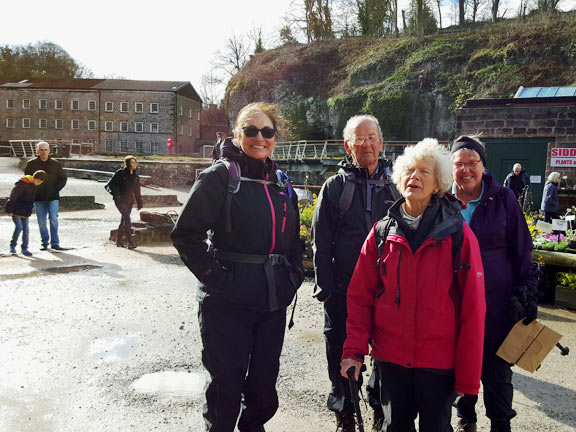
20 205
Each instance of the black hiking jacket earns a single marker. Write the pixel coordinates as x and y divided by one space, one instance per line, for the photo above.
337 240
264 220
50 189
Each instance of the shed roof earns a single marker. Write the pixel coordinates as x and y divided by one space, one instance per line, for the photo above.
544 92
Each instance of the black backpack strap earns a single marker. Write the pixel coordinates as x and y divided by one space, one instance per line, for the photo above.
382 230
347 194
457 265
234 175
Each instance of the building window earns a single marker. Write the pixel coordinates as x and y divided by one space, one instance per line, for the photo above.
25 103
154 128
42 104
42 123
109 107
91 124
138 127
190 132
58 104
109 146
58 124
75 141
139 147
123 106
75 105
59 140
198 116
154 147
9 123
124 146
109 126
154 108
180 110
91 141
123 126
138 107
75 124
9 103
92 105
25 123
182 130
190 113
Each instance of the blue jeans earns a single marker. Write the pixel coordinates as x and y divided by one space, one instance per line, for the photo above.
21 225
48 209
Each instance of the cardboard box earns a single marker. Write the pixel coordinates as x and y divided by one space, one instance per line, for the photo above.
528 345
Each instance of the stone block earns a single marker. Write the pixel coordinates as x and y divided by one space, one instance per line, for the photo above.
519 131
503 131
517 123
565 123
545 131
494 123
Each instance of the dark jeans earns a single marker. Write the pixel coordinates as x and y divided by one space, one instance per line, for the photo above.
125 210
335 315
415 391
548 216
498 389
241 351
21 225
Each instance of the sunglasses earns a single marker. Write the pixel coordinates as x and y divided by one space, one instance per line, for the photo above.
252 131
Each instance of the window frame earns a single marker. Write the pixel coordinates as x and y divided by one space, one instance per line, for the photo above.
25 104
139 127
107 104
124 129
157 104
92 122
109 123
42 120
58 104
73 103
42 102
58 122
9 123
157 127
77 124
9 103
127 105
90 102
136 110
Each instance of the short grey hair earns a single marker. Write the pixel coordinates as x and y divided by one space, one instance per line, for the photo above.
427 149
40 144
517 165
553 176
353 123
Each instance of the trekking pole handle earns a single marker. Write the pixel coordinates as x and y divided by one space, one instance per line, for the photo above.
563 350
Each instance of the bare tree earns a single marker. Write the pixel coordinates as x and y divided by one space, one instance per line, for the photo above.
461 12
439 5
255 36
211 87
318 19
548 5
420 20
495 6
234 56
475 5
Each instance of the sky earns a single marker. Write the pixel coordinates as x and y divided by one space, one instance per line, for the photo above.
167 40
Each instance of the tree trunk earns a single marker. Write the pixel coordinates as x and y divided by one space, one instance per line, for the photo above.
461 20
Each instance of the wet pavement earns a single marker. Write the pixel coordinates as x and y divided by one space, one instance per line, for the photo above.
106 339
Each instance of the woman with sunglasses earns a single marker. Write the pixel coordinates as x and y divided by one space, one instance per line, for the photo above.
249 274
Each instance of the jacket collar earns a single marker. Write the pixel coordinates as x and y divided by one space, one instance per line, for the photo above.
348 165
253 168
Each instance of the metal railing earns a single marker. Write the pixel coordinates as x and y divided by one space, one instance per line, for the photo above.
27 148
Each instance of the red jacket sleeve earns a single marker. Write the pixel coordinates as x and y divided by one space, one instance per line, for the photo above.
470 344
360 299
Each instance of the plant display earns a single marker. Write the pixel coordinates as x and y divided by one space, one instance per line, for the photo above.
566 279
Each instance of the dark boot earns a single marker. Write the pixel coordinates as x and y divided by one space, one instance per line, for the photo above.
345 422
500 426
464 426
119 235
128 233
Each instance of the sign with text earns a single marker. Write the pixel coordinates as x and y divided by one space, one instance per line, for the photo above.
563 157
559 225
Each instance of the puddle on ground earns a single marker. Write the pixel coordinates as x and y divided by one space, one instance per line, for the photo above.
52 270
72 268
171 383
116 348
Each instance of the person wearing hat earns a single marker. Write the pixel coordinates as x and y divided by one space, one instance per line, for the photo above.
510 276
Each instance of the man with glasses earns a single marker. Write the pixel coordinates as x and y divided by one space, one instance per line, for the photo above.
48 195
349 204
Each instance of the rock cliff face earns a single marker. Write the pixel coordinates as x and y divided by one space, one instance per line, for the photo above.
414 90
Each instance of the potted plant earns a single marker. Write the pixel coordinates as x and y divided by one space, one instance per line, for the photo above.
566 290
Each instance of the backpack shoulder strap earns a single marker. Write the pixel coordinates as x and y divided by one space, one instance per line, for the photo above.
234 176
347 194
382 230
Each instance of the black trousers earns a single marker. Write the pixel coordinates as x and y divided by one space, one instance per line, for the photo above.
335 315
415 391
241 351
498 390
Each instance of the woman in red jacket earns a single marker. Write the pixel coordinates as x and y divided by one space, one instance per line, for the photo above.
418 300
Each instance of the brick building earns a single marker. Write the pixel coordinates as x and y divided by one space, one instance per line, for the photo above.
526 129
116 116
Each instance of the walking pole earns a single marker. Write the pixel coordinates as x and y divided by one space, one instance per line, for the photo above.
355 397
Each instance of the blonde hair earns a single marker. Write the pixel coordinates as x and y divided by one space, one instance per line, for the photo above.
127 160
427 149
270 110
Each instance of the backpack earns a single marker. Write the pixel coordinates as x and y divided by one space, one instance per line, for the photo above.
235 178
347 194
382 230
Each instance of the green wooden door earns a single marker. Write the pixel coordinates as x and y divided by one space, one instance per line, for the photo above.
531 153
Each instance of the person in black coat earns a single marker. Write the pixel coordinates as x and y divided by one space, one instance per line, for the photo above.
248 276
19 206
48 196
125 188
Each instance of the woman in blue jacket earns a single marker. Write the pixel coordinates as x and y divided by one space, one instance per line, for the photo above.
550 205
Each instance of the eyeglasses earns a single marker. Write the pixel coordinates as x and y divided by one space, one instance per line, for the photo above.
252 131
469 165
372 139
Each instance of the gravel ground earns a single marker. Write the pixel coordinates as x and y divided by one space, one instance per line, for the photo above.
78 328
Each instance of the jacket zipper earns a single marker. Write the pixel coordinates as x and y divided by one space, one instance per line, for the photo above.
284 217
273 213
398 280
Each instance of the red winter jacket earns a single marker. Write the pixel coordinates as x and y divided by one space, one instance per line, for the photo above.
403 306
